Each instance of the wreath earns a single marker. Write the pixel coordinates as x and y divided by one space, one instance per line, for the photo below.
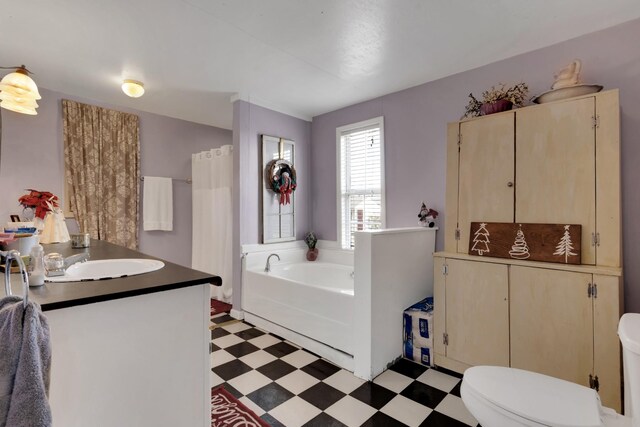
282 179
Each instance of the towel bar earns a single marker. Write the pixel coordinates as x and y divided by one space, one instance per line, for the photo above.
13 254
187 180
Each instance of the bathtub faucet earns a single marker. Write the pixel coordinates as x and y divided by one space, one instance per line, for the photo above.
267 268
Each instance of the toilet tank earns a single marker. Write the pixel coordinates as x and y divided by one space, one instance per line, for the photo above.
629 333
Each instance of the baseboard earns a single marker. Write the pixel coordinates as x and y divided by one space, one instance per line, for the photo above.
237 314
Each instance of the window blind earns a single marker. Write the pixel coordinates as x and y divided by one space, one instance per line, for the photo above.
361 181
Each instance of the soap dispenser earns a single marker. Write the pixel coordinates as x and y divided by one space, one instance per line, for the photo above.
36 266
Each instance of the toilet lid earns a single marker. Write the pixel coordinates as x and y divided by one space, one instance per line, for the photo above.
536 397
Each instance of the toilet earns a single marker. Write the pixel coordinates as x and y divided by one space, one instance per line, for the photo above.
507 397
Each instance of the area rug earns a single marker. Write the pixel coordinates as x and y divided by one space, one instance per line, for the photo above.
218 307
227 411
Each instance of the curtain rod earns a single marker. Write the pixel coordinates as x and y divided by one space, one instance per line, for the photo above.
187 180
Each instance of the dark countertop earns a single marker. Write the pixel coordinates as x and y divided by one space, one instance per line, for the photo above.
54 296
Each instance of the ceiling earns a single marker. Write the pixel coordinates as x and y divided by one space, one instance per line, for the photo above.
300 57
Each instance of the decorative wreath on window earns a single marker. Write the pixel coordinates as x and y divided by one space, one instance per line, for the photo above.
282 179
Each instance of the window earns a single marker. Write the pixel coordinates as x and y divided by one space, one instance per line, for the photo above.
360 179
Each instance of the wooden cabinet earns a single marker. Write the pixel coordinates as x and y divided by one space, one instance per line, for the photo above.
487 143
556 178
555 163
564 323
553 319
551 163
476 328
552 322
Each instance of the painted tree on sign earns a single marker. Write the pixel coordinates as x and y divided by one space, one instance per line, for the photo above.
481 240
520 249
565 245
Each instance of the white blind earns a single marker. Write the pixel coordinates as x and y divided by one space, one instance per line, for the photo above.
361 182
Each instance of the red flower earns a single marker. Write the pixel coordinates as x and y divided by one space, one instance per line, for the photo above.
38 200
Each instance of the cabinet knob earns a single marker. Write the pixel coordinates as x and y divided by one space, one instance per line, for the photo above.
509 184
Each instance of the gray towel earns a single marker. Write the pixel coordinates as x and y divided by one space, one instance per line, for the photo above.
25 361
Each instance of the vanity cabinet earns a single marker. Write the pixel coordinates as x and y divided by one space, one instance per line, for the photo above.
556 163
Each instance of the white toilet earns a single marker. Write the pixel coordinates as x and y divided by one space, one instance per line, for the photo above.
508 397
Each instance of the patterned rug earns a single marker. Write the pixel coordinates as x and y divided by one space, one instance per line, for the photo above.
218 307
228 411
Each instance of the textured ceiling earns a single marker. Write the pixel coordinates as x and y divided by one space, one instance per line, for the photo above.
300 57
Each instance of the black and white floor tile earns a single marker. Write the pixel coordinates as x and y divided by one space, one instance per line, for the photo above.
289 386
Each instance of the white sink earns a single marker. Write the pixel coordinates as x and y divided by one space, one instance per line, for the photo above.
107 269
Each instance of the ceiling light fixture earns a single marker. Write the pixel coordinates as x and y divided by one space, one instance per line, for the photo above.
133 88
18 92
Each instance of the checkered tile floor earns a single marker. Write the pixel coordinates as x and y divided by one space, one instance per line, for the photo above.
288 386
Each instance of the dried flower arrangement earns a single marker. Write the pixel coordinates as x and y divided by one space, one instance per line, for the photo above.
517 95
41 201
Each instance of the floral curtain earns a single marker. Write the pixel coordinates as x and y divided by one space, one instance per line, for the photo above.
102 170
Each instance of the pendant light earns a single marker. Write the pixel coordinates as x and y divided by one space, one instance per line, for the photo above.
18 92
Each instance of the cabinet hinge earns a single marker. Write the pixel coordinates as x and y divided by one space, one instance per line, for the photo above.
595 239
459 139
596 121
445 269
594 383
457 234
445 338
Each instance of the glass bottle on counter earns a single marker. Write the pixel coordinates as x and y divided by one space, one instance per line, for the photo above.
36 266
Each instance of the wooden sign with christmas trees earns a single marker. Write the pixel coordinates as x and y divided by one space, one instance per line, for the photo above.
534 242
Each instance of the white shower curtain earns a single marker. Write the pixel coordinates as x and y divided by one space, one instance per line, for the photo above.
212 216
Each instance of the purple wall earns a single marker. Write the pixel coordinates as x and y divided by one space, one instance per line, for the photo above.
249 123
32 157
415 132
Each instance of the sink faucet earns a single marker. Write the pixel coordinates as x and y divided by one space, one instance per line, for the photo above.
70 260
267 268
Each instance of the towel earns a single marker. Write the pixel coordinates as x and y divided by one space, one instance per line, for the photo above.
157 204
25 362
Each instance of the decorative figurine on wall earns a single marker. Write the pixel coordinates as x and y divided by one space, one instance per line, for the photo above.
427 216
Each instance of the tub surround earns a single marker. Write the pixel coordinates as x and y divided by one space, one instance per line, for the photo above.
394 269
307 313
355 322
129 351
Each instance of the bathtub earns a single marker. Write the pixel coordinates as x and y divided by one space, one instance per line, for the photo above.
313 299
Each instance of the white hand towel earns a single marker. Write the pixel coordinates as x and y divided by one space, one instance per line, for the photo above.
157 204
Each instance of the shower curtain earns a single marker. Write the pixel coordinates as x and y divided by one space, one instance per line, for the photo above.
212 216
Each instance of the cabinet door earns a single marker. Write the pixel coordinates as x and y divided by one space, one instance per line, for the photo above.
486 173
606 315
477 312
555 167
439 306
551 323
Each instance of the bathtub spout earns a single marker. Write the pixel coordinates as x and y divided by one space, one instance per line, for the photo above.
267 268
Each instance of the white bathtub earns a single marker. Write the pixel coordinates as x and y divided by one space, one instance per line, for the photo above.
314 299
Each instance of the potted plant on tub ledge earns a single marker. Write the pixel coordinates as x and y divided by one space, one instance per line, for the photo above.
311 240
